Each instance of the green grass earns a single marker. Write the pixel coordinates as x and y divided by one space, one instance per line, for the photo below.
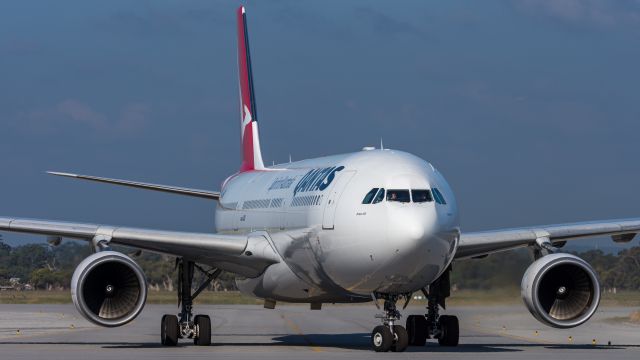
512 296
485 297
622 298
206 297
508 296
35 297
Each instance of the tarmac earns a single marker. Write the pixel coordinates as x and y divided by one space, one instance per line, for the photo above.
295 332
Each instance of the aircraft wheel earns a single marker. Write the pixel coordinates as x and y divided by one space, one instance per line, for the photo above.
450 330
401 339
169 330
381 339
417 330
203 324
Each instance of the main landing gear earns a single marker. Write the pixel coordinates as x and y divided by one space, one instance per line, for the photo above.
445 328
393 337
188 326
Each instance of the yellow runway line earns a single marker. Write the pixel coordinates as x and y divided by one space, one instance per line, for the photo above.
293 326
505 333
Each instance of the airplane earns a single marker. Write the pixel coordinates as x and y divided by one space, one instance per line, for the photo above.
376 225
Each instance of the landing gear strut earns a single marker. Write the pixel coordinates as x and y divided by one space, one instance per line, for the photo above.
389 336
445 328
197 328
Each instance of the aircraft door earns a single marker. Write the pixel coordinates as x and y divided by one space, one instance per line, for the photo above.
341 181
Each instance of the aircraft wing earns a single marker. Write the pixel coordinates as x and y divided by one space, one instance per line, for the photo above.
478 244
147 186
241 254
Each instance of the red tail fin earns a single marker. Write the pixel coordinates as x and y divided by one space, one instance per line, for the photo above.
251 154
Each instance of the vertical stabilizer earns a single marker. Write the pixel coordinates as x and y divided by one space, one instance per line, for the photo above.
251 154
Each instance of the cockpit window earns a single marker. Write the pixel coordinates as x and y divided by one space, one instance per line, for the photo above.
421 196
379 197
398 195
438 196
369 197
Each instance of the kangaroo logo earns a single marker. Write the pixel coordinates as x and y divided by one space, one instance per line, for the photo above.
247 119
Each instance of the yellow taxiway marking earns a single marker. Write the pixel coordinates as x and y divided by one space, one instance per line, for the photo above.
293 326
503 332
42 332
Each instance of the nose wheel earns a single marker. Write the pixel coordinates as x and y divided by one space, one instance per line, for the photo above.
185 325
381 338
389 336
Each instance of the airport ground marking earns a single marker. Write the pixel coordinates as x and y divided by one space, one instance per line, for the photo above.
504 333
293 326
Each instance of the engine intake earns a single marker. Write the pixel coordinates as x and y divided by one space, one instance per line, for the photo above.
109 289
561 290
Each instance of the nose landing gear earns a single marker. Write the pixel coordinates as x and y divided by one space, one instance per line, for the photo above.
197 328
389 336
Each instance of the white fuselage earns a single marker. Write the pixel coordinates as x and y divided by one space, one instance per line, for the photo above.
334 248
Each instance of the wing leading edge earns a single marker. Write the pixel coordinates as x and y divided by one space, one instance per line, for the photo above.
475 244
226 252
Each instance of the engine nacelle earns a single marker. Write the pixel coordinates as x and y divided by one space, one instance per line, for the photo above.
561 290
109 289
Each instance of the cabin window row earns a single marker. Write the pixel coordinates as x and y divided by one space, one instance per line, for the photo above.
377 195
262 204
310 200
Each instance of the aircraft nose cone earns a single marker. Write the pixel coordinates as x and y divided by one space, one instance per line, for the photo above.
409 229
415 231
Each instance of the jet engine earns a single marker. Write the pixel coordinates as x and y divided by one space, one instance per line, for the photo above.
109 289
561 290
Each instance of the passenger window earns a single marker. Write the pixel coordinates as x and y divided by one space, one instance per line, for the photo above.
421 196
379 197
398 195
438 196
367 198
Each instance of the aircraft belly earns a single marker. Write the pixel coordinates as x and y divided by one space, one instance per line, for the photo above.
280 283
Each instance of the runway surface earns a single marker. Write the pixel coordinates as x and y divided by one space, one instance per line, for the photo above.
295 332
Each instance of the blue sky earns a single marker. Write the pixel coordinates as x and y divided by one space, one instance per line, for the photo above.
529 108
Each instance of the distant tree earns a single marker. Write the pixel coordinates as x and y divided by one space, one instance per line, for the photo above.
503 269
24 259
5 258
48 279
624 273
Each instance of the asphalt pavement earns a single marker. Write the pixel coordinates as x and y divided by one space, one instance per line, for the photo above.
295 332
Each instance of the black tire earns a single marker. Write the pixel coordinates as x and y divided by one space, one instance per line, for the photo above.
417 330
169 330
401 339
203 323
381 339
450 330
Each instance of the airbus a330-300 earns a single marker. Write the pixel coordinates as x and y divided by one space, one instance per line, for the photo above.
377 225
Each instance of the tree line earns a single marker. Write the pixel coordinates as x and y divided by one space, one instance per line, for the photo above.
45 267
619 271
41 266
